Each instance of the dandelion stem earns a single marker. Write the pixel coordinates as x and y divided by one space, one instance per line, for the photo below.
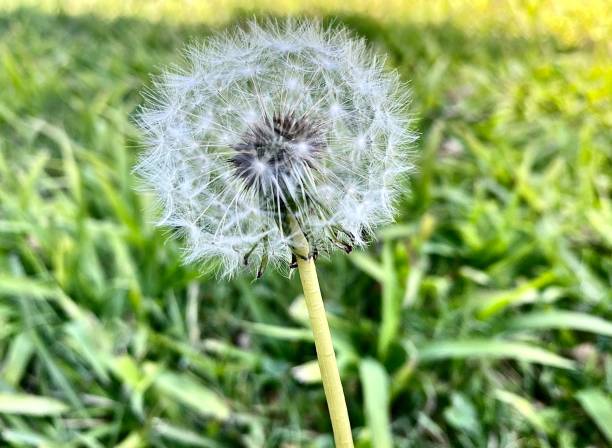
323 342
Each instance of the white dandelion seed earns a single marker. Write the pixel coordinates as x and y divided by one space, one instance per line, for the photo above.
270 123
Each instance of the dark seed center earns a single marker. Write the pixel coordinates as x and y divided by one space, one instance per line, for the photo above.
275 148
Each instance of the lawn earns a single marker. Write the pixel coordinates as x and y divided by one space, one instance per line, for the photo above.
482 318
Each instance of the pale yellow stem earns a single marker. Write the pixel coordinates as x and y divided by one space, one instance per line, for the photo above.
323 344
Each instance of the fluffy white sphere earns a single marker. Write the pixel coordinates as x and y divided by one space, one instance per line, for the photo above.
286 120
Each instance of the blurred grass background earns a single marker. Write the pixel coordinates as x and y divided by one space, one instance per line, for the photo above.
480 319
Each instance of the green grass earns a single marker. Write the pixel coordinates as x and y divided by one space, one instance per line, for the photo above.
482 318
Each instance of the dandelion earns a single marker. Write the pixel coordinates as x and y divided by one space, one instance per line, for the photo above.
273 144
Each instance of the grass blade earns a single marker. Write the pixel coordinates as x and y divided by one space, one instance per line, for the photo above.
523 407
375 382
599 407
193 394
491 349
391 302
19 355
562 319
369 265
32 405
182 436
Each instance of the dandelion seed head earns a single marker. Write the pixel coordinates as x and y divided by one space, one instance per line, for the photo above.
270 122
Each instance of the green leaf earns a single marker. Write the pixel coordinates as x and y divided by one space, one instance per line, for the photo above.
33 405
26 287
523 407
19 355
20 437
14 226
391 302
375 382
369 265
491 349
527 292
392 231
462 414
89 339
126 369
562 319
182 436
279 332
133 440
599 407
189 391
